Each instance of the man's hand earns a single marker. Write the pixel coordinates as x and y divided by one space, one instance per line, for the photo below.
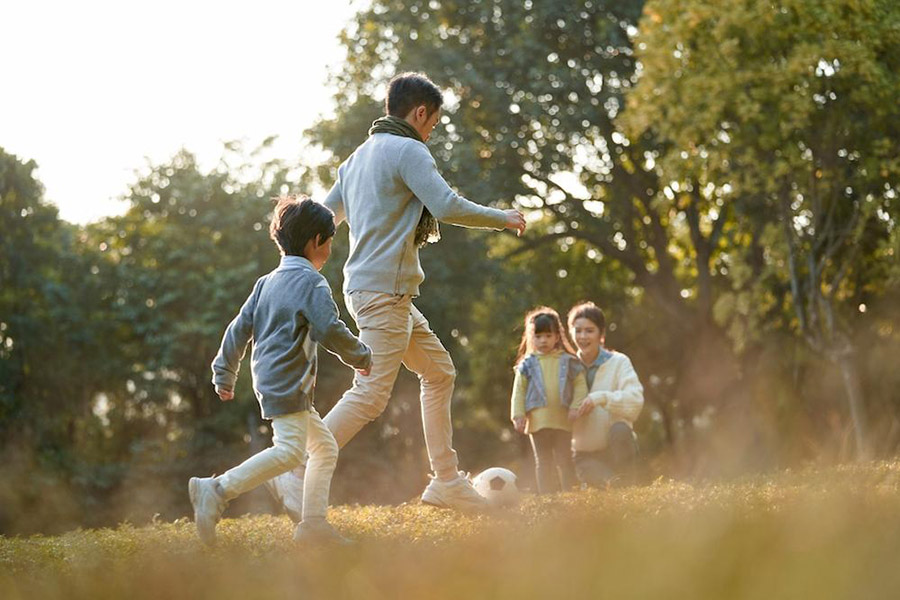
224 395
519 424
515 220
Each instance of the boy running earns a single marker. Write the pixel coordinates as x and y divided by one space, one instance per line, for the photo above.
289 312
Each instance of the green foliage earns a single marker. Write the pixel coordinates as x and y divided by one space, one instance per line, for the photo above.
826 165
829 533
32 287
786 112
52 352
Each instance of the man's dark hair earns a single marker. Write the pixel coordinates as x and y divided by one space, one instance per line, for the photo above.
410 90
296 220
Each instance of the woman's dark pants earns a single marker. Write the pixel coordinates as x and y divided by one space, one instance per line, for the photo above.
617 463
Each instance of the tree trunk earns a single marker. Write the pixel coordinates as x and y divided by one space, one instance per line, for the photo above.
850 376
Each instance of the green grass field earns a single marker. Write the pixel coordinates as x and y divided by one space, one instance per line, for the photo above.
815 533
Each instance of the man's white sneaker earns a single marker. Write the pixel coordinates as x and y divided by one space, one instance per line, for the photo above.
287 489
457 493
209 504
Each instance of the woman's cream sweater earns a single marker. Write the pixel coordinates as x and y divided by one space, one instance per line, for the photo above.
617 395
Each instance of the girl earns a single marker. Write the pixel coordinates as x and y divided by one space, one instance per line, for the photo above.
548 379
604 442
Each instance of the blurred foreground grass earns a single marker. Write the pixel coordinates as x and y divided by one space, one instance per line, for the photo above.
816 533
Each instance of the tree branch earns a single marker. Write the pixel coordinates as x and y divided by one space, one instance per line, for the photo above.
701 249
718 227
786 220
534 243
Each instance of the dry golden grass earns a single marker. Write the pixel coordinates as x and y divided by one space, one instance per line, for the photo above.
816 533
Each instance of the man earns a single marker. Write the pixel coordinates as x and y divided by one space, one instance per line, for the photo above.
391 195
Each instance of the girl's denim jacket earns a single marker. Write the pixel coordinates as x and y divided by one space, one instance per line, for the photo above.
570 367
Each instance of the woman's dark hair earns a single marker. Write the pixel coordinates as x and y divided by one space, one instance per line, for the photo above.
543 319
589 311
407 91
296 220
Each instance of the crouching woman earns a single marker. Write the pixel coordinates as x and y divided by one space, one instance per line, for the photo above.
603 438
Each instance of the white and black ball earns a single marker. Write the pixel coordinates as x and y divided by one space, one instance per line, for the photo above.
498 486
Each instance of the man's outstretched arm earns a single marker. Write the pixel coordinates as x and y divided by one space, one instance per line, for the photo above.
419 171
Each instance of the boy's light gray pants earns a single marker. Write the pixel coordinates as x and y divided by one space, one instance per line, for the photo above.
398 334
293 436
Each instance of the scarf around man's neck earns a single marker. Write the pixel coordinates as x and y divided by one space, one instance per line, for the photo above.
427 231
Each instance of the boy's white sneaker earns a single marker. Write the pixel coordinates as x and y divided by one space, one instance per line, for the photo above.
209 504
319 532
458 493
287 489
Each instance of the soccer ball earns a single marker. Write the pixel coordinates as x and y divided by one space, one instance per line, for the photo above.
498 486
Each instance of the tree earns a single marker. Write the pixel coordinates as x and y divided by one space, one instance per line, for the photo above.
53 355
789 110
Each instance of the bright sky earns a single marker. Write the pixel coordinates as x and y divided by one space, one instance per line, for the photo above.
92 89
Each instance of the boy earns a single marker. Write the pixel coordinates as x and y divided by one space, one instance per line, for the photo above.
288 312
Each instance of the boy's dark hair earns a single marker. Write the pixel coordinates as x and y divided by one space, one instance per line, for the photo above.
296 220
410 90
589 311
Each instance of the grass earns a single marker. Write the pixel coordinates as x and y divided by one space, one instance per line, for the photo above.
817 533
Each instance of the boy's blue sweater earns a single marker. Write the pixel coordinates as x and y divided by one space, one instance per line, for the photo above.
288 313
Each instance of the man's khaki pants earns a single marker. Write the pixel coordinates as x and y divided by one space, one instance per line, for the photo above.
398 334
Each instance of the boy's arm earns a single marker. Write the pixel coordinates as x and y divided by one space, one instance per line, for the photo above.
627 400
328 330
335 201
227 363
419 172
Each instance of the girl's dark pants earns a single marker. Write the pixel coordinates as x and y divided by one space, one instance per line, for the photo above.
553 462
